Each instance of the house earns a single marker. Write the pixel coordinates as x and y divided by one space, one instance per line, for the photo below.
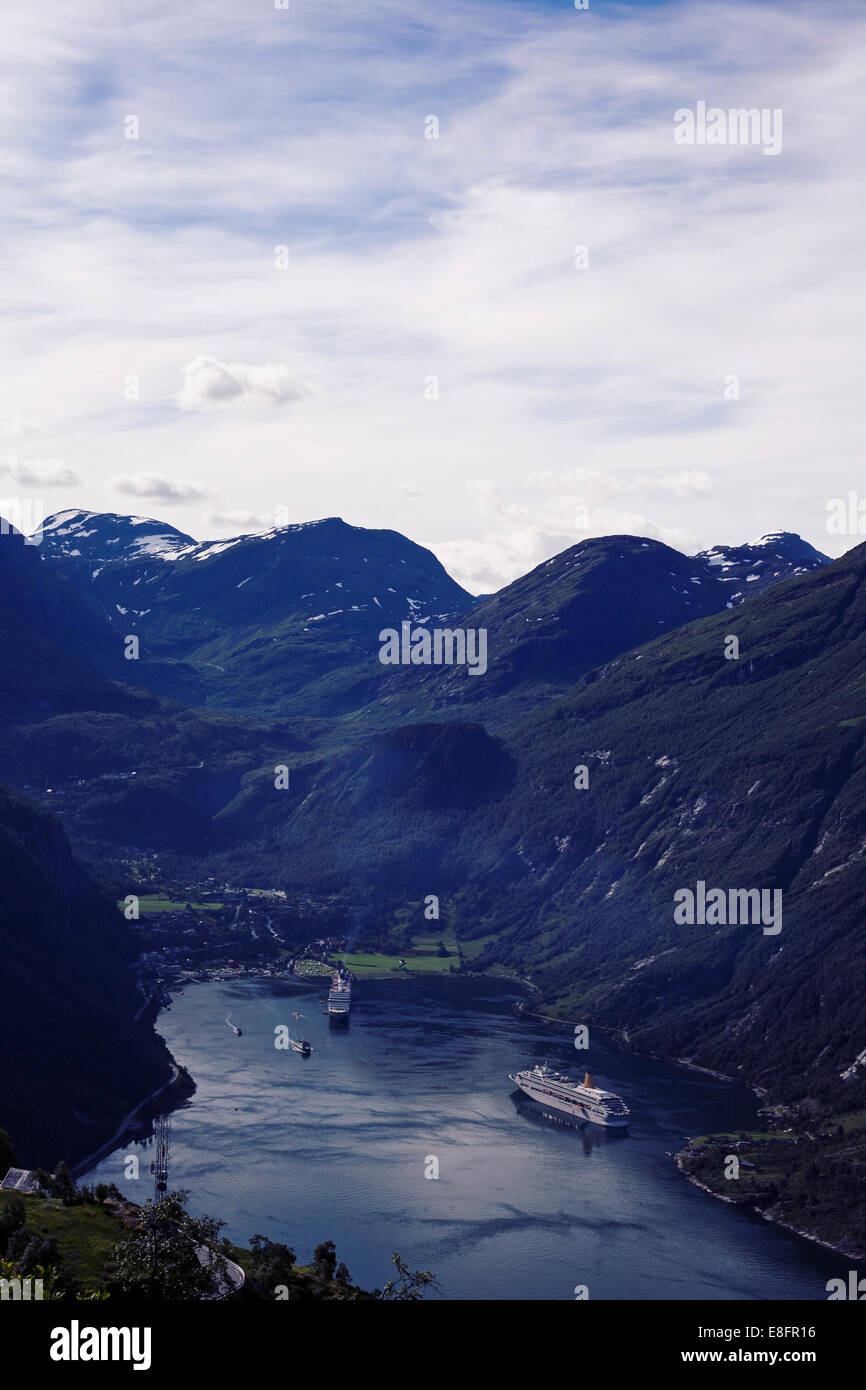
20 1180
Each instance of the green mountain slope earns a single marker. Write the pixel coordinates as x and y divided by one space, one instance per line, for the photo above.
747 773
549 627
123 767
269 625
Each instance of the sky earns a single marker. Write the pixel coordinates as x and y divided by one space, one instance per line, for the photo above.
261 263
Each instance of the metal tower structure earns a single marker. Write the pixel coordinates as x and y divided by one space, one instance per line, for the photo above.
162 1154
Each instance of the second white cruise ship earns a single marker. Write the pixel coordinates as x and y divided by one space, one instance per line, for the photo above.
584 1102
340 996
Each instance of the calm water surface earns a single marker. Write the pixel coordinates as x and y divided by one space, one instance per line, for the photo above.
334 1146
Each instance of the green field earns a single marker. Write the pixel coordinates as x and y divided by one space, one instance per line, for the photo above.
151 906
85 1235
421 957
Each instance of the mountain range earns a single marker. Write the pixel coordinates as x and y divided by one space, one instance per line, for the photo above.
743 770
263 625
740 772
579 610
286 623
272 672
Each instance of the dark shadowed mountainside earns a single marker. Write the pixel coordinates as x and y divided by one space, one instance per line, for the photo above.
74 1061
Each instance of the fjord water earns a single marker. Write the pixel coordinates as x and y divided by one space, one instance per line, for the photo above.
335 1146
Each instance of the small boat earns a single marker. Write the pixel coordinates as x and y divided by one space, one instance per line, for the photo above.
300 1045
234 1028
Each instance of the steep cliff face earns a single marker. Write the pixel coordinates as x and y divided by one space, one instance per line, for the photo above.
74 1062
741 771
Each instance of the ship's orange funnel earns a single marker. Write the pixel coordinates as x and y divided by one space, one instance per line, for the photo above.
589 1080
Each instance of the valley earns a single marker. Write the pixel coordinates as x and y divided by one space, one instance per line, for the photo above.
411 785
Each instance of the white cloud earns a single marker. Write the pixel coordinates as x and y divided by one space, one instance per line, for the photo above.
17 427
165 489
533 531
687 482
494 560
452 257
208 383
39 472
230 522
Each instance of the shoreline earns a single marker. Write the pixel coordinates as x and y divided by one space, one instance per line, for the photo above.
761 1093
746 1204
520 1012
79 1168
120 1133
622 1036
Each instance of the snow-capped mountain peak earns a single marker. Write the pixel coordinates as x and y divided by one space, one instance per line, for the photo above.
102 537
759 563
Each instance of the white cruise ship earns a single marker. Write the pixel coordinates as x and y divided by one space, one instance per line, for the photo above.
584 1102
340 996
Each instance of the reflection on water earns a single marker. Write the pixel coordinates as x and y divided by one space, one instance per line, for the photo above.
526 1206
590 1134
